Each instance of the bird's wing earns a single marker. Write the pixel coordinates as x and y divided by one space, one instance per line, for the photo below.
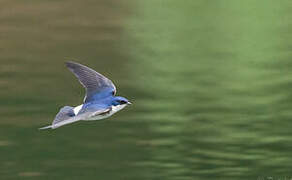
82 116
96 85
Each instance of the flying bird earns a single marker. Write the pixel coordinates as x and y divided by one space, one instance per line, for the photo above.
100 101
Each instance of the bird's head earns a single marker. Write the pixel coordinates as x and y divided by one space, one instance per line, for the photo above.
117 100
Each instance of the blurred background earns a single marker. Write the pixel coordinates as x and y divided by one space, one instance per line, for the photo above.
210 82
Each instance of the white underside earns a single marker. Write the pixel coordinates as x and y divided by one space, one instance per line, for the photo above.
76 110
98 117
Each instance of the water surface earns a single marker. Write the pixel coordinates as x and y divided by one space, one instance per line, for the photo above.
210 83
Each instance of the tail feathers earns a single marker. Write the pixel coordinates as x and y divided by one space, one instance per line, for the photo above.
65 113
46 127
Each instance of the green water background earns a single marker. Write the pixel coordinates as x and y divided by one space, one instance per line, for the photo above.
210 82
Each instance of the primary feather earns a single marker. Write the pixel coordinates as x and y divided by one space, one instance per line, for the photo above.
96 85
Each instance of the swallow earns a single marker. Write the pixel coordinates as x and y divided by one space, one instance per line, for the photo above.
99 102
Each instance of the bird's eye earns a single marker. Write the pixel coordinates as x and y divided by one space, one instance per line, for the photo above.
113 93
123 102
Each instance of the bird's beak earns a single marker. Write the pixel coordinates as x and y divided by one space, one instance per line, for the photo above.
129 103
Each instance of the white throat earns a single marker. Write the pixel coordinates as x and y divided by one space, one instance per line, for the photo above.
118 108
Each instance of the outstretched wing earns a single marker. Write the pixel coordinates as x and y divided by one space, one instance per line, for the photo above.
96 85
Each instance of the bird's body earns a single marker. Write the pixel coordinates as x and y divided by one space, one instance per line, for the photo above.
112 110
100 101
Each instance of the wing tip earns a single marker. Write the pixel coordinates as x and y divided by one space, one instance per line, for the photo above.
75 65
71 63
